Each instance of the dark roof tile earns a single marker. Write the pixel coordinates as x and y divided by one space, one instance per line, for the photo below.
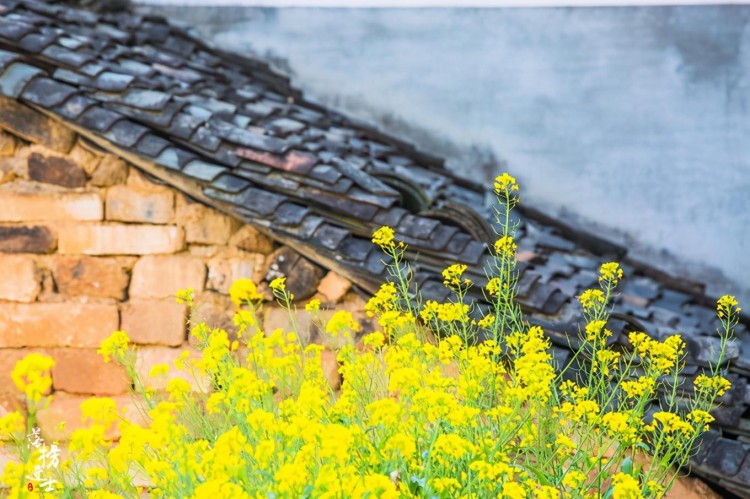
231 183
341 204
66 56
15 78
98 119
74 107
417 227
237 135
109 81
13 30
329 236
126 133
179 45
290 213
46 92
149 100
37 42
205 139
202 170
356 248
132 67
262 202
72 77
184 125
152 145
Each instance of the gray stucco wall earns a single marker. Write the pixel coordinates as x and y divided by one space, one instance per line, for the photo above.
634 120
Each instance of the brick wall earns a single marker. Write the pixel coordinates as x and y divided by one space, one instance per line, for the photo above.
89 245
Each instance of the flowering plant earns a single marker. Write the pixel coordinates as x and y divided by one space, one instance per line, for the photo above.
424 410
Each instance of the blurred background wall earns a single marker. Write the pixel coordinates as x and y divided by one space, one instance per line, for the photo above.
634 120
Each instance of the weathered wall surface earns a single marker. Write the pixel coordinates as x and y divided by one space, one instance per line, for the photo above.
630 118
88 245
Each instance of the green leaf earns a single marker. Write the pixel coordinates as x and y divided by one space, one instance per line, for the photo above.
540 476
627 466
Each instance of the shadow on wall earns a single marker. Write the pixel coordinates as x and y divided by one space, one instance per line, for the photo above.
628 118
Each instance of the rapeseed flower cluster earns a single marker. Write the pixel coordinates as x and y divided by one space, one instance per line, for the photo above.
424 409
31 375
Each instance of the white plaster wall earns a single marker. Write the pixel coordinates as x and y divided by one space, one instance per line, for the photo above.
633 119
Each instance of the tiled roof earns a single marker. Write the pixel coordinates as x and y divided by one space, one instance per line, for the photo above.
234 134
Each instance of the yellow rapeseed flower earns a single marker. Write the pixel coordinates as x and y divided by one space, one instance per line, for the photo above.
573 479
102 494
595 331
700 418
610 272
114 347
726 305
506 247
158 370
313 305
452 276
591 298
278 284
620 425
673 423
383 237
445 485
453 312
185 296
375 339
625 487
244 290
340 322
565 445
717 384
99 410
11 424
505 183
493 286
31 375
637 388
449 448
513 490
384 300
486 322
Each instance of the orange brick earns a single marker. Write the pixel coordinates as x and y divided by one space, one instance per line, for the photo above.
83 156
11 402
111 171
150 356
66 408
250 239
82 370
20 281
120 239
56 324
90 276
126 204
223 271
8 144
205 225
163 276
334 286
22 205
154 322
